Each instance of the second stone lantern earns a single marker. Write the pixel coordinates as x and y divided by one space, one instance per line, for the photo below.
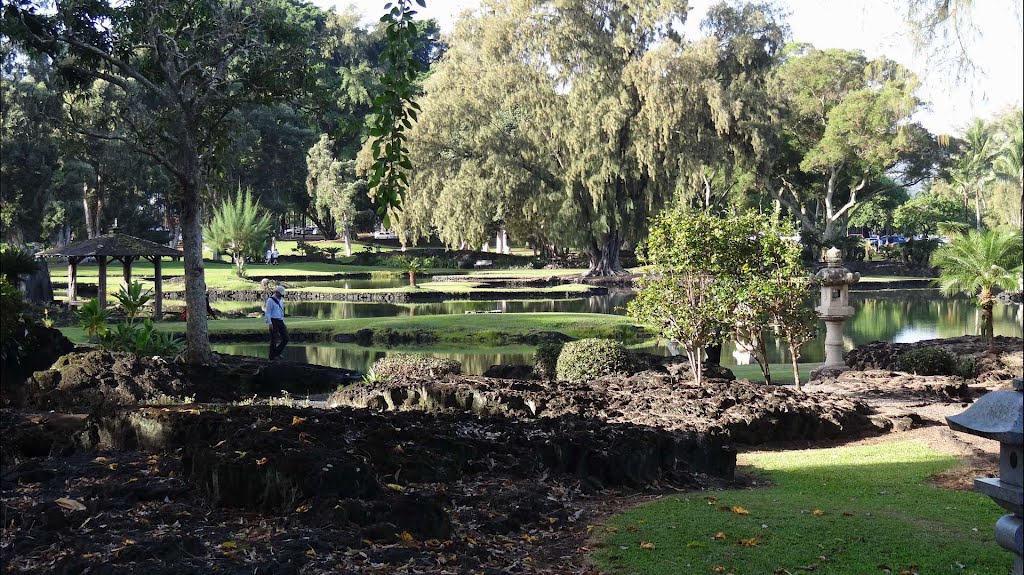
835 309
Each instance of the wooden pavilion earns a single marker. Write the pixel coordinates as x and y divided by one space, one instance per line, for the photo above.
115 247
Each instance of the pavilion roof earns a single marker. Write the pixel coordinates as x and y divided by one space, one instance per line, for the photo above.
116 245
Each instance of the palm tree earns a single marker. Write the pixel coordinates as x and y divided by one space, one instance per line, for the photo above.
412 267
978 262
239 227
1009 165
973 168
15 262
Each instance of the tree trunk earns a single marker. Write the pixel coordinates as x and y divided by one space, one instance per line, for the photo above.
196 329
987 329
348 240
977 210
604 258
794 354
412 279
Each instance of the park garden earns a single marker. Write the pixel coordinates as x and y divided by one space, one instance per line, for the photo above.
556 284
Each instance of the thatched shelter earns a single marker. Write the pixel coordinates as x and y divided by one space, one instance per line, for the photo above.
118 247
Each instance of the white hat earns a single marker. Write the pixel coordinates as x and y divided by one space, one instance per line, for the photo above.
280 290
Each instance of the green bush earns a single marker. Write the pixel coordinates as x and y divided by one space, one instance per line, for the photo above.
309 250
545 360
966 367
13 322
134 336
414 365
586 359
928 360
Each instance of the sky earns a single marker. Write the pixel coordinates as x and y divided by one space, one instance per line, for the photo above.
874 26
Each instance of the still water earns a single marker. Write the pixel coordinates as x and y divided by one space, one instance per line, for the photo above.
897 316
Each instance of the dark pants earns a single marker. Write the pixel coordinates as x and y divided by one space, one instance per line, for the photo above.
278 338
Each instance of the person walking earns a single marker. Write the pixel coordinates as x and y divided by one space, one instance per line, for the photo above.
274 317
274 255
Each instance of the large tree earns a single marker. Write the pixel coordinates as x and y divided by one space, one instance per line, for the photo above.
848 134
575 121
181 67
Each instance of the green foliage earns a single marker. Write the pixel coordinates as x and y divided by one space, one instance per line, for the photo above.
332 251
13 322
586 359
928 360
414 365
93 319
241 228
308 249
16 262
710 277
979 262
923 213
395 109
545 359
132 335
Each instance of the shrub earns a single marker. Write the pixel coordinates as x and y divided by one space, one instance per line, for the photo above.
930 360
586 359
545 360
12 322
414 365
966 367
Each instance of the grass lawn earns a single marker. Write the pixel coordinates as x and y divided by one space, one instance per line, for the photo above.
842 511
477 328
782 373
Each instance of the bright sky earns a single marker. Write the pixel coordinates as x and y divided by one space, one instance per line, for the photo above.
877 28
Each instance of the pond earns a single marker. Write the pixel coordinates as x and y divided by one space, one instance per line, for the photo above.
897 316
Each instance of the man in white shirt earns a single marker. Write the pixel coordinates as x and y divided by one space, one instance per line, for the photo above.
274 316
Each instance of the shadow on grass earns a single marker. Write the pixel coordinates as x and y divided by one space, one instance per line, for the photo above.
845 511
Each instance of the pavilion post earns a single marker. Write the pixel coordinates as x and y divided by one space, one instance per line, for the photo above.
158 281
72 279
101 292
127 270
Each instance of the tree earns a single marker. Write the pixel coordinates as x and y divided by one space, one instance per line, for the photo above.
240 227
333 187
876 214
181 68
578 143
977 263
710 277
973 169
848 133
1009 164
923 213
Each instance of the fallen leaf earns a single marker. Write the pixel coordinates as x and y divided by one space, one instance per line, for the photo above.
720 535
261 461
112 467
397 450
229 545
406 536
646 545
752 542
632 528
818 512
219 443
740 511
711 500
127 542
310 553
303 508
725 508
241 454
395 487
718 569
305 437
296 420
101 460
71 504
88 555
274 429
529 538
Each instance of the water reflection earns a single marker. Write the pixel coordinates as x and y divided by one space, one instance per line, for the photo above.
350 356
903 316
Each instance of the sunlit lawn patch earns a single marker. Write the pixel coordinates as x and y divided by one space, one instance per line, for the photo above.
841 511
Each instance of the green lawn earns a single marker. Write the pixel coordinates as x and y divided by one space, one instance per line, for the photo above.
476 328
782 373
842 511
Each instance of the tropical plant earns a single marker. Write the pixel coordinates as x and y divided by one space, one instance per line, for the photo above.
586 359
241 228
412 267
1009 164
15 262
978 263
93 318
973 169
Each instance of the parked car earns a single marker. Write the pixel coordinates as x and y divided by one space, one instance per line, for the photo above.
292 231
385 235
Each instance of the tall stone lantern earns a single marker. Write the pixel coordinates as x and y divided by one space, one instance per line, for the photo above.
999 415
835 309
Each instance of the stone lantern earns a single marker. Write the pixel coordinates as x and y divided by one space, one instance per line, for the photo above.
999 415
835 309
